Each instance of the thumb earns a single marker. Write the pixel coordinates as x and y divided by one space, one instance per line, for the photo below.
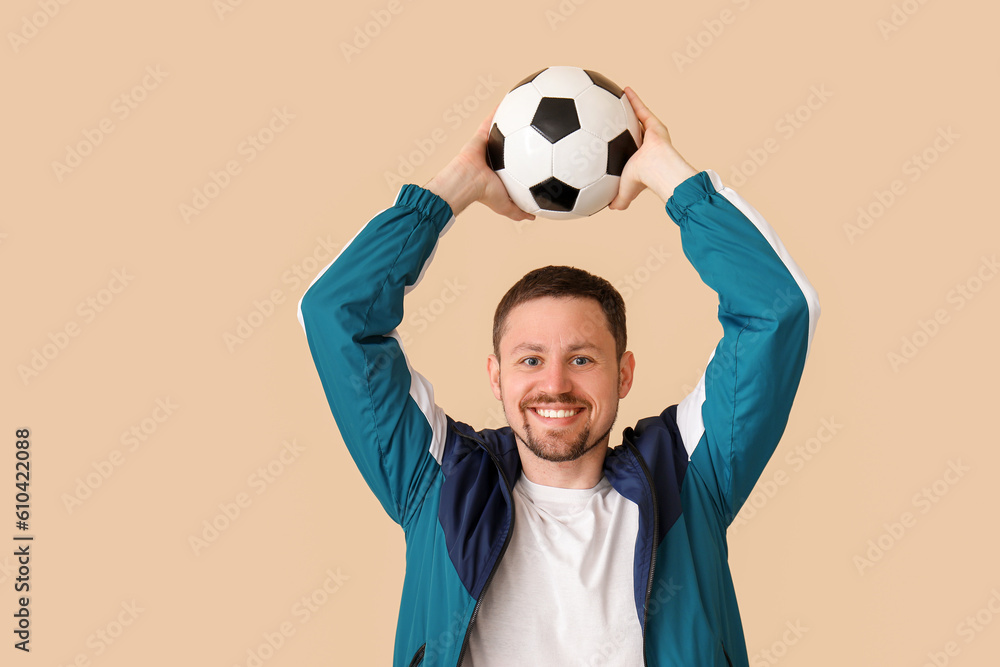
511 210
496 198
628 190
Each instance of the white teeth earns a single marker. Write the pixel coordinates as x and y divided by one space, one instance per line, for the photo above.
557 414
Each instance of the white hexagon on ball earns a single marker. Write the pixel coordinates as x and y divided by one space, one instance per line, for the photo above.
562 81
528 156
517 109
601 112
580 159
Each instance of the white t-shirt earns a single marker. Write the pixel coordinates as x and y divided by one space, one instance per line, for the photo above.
563 593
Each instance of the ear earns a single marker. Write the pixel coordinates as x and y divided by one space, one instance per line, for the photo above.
626 373
493 369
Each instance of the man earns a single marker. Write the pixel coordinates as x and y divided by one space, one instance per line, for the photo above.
536 544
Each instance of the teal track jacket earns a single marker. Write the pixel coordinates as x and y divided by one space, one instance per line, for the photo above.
689 469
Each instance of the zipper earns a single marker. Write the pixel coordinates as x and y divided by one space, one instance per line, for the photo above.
652 554
418 657
503 550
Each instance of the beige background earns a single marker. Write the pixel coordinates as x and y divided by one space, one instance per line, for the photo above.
164 334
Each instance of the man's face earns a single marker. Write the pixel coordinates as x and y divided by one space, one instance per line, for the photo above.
558 376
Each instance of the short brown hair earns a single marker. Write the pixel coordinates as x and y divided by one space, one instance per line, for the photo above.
566 282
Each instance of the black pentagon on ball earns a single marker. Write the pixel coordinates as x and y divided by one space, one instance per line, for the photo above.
554 195
620 149
494 148
605 83
555 118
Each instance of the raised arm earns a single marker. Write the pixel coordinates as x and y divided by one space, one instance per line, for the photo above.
734 418
384 409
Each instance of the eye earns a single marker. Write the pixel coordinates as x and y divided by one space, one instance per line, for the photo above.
531 361
580 361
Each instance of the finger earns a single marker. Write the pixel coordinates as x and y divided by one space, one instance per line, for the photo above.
646 117
642 112
499 201
512 211
484 127
504 205
628 190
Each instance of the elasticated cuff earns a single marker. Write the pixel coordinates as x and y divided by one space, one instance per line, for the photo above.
426 203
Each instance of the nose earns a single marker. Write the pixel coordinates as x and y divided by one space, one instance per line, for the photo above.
556 380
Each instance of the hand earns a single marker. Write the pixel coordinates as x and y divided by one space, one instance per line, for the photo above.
468 178
656 165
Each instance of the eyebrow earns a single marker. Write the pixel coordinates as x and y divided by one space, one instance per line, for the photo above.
537 347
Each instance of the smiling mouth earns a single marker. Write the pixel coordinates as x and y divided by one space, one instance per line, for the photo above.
556 414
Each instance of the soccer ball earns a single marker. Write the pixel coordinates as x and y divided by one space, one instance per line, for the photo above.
560 140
